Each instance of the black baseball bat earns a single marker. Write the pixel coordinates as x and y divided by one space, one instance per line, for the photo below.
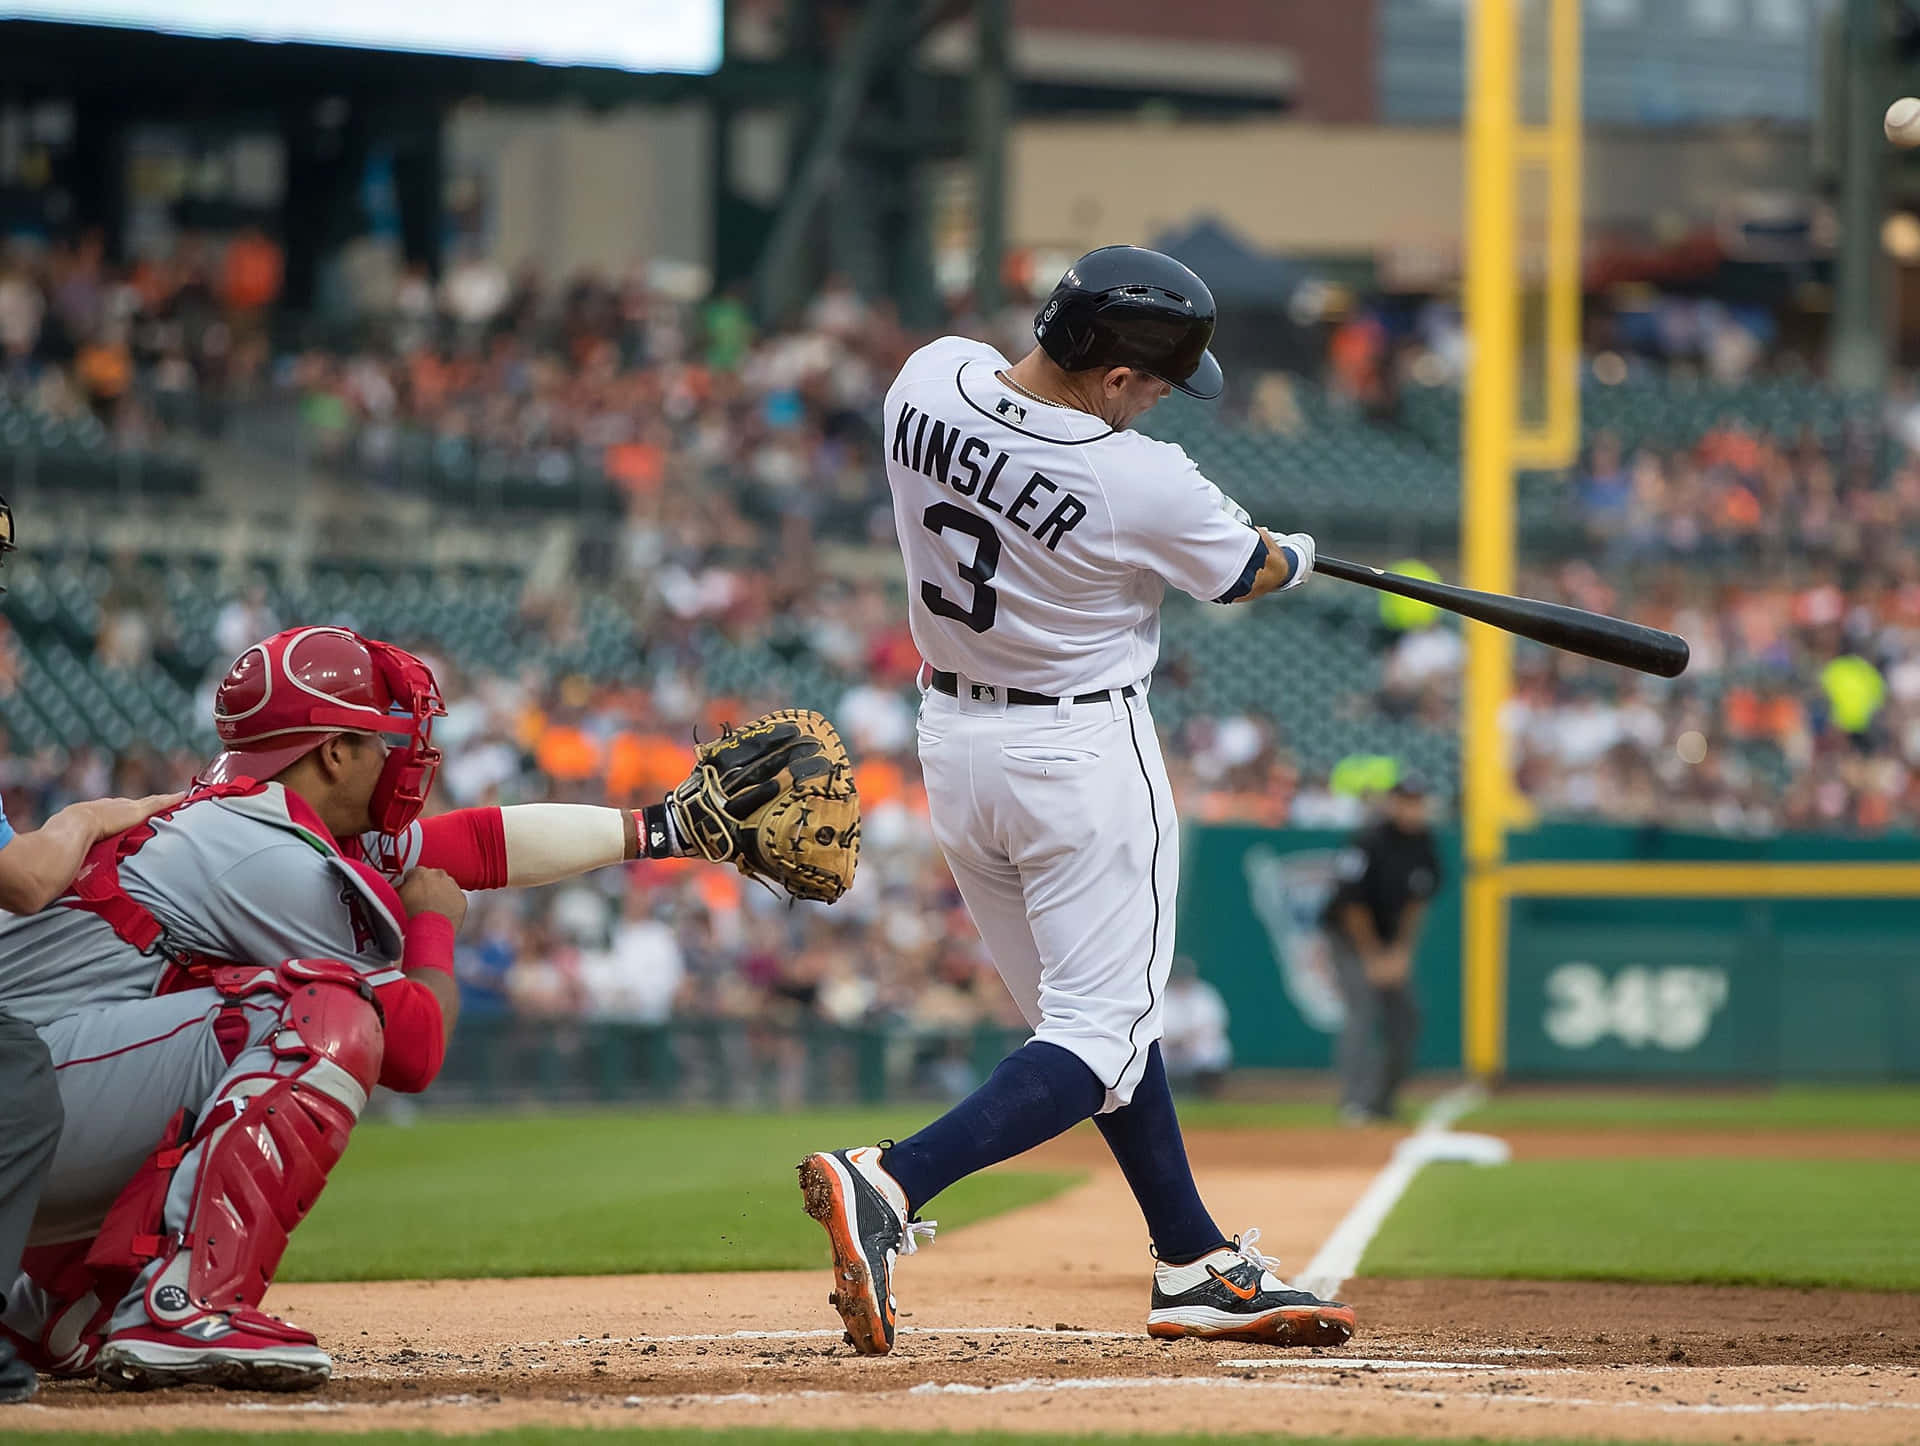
1574 630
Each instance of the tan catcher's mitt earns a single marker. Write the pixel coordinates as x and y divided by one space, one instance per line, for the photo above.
776 797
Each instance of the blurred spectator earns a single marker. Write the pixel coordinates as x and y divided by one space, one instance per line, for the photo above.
473 291
1855 692
1194 1020
637 978
1421 676
244 621
250 273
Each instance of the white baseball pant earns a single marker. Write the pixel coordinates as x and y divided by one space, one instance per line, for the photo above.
1058 824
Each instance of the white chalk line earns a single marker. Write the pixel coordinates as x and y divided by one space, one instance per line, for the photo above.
1307 1366
748 1337
1033 1385
310 1407
1339 1257
835 1334
982 1330
1041 1385
1388 1363
1678 1408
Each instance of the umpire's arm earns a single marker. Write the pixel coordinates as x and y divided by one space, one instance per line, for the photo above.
37 867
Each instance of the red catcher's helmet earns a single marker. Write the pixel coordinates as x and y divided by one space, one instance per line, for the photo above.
284 697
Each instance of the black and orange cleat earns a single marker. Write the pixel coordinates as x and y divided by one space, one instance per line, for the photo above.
1236 1294
864 1213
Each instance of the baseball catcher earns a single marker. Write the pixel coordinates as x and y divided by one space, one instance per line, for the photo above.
226 981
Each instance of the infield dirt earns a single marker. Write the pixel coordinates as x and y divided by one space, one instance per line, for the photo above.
1034 1321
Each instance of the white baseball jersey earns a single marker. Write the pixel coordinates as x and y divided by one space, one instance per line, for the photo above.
1038 540
1039 543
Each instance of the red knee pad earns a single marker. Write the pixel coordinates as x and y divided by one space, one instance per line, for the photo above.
331 1011
262 1171
264 1144
269 1139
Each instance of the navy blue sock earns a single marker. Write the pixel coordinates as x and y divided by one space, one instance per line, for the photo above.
1035 1093
1145 1139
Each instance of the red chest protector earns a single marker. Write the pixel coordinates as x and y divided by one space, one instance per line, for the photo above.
97 890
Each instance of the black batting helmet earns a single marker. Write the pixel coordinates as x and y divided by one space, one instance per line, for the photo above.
1126 306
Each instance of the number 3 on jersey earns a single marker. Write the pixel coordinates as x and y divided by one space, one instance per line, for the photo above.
986 559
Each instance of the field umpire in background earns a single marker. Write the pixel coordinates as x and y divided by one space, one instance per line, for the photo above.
1384 880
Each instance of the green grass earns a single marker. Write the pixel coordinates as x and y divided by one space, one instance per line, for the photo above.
1787 1107
1196 1114
1839 1223
1602 1107
754 1436
594 1194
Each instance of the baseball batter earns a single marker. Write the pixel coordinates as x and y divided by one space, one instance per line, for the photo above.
223 985
1040 534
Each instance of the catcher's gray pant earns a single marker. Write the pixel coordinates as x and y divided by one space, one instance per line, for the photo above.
1375 1053
30 1119
124 1070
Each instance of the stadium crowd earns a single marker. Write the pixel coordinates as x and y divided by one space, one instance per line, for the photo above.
1785 560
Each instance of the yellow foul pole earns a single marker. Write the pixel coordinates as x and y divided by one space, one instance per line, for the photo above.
1496 440
1553 150
1486 512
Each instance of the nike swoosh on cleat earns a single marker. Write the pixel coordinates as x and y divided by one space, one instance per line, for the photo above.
1244 1292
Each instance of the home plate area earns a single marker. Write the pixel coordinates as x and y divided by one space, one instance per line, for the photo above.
1035 1321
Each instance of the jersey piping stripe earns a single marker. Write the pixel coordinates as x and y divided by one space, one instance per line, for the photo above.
1153 883
1056 441
143 1043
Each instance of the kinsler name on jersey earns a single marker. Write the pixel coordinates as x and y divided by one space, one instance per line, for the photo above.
942 451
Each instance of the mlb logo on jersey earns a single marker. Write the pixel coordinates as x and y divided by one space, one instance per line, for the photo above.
1008 407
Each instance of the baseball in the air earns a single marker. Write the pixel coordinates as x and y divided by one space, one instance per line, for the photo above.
1903 122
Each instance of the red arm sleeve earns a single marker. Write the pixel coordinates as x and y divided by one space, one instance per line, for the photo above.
416 1040
468 843
416 1046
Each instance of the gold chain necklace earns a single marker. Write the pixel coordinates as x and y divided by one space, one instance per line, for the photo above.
1029 392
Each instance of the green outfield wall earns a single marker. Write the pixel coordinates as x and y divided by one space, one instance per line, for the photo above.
1615 988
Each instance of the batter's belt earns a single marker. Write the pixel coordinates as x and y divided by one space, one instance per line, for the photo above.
949 683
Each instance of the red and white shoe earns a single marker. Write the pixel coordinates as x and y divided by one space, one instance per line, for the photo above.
55 1315
66 1345
243 1350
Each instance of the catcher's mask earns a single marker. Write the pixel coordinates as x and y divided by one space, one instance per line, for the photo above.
6 534
285 696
